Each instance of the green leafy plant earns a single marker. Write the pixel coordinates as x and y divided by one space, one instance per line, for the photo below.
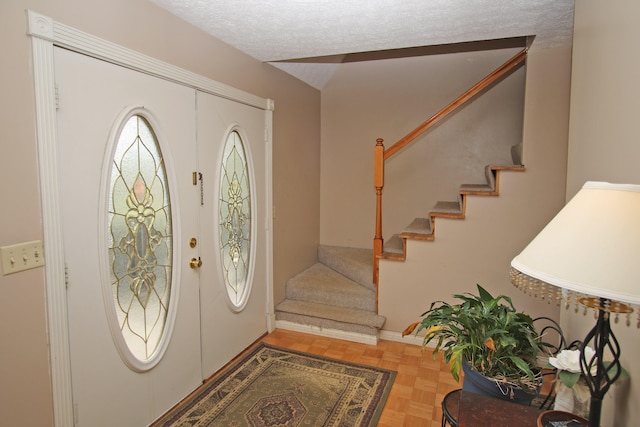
488 333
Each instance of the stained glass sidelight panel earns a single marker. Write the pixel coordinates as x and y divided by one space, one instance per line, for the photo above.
140 238
235 219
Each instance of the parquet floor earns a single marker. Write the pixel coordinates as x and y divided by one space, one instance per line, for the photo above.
420 384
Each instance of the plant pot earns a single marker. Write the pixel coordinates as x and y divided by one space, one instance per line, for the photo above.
475 382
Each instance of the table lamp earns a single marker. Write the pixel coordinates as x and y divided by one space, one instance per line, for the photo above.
588 257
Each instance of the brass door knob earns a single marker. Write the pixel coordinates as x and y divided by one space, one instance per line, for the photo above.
195 263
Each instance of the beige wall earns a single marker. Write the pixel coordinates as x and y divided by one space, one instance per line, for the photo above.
389 98
364 101
25 396
604 134
479 248
604 146
602 101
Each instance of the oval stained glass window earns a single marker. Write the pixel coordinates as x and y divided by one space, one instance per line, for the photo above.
140 242
235 221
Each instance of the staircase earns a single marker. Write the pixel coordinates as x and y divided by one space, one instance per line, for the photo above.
334 297
337 296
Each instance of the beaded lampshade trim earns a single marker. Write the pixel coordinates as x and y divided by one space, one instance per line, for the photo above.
544 291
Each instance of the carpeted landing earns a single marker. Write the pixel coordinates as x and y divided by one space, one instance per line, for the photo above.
275 387
336 293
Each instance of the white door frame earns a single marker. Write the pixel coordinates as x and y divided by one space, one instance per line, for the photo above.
45 34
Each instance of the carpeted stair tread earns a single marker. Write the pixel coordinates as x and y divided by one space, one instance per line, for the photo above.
320 284
336 293
418 226
476 188
337 314
354 263
444 207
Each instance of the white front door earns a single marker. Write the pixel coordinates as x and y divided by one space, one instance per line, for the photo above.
128 218
234 221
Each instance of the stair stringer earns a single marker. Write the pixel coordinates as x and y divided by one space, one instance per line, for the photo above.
425 228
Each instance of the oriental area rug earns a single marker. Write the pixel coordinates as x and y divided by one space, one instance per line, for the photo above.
275 387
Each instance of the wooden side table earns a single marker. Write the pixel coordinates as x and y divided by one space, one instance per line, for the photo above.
450 408
476 410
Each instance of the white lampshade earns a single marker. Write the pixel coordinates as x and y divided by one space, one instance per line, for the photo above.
590 249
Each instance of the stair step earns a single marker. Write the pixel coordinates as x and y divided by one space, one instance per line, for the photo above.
395 245
354 263
476 189
419 229
488 188
447 208
320 284
325 316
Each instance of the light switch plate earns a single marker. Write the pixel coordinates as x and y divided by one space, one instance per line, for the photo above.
21 256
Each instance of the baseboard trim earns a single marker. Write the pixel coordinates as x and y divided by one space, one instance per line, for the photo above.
412 339
397 337
327 332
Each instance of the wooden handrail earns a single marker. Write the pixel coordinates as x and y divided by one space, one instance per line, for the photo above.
381 154
459 101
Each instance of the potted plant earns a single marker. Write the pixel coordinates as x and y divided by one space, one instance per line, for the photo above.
487 338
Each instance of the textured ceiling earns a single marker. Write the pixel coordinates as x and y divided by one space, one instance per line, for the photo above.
302 30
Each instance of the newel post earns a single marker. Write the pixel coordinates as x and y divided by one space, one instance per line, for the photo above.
378 182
